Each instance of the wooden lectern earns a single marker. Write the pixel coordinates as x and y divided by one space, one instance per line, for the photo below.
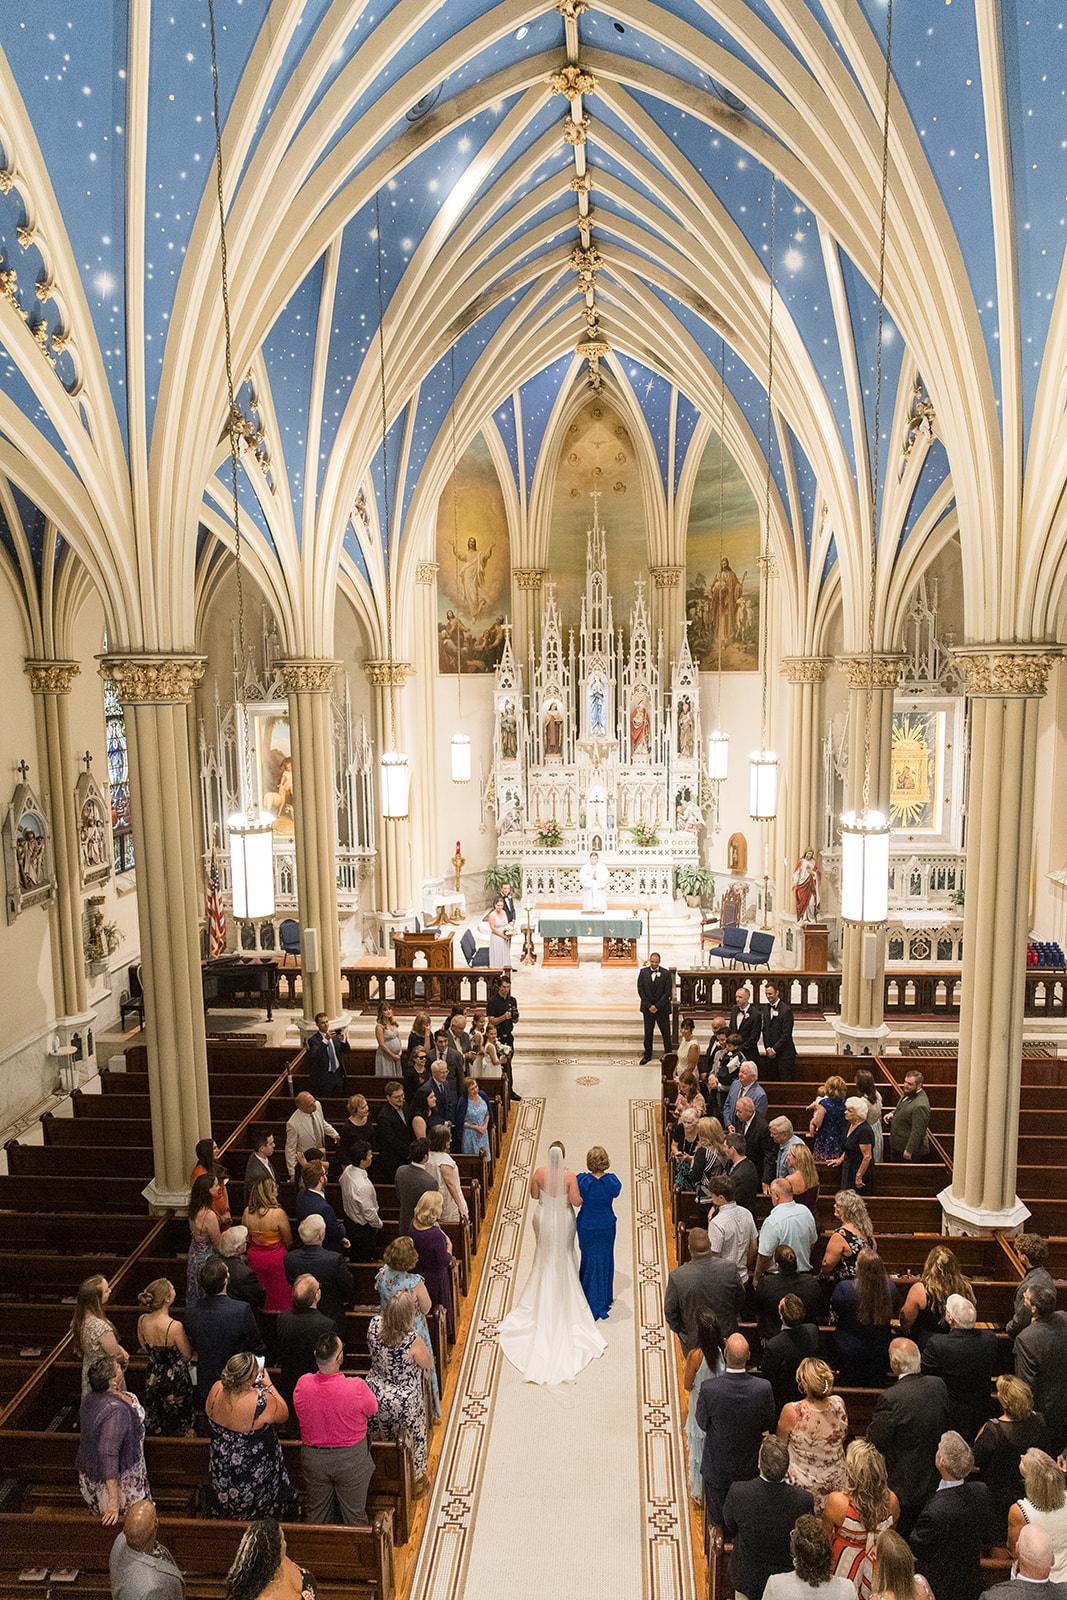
815 946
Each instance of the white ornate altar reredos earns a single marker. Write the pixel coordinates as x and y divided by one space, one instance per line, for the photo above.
604 738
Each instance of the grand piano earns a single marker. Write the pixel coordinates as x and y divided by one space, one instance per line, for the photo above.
233 980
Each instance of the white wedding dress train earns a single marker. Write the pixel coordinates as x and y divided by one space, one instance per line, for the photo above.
551 1335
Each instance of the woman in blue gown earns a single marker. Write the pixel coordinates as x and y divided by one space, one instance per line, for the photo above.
599 1189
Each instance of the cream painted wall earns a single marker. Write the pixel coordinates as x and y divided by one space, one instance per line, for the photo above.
459 809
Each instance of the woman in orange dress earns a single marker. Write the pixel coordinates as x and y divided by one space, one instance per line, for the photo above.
855 1518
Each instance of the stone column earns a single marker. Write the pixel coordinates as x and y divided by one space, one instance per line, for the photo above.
1005 684
860 1027
51 683
525 609
155 691
307 686
425 847
667 608
802 824
387 679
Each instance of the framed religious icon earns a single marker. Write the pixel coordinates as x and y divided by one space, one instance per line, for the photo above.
93 814
926 771
29 864
272 764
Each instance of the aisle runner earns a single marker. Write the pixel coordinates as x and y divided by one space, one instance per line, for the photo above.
668 1558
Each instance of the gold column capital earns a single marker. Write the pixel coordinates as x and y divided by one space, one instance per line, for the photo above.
528 577
388 674
666 577
1008 671
51 677
426 572
805 669
153 679
879 671
308 676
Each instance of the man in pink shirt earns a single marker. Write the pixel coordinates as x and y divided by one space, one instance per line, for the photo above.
335 1455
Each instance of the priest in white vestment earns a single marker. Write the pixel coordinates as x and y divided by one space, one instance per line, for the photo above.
594 881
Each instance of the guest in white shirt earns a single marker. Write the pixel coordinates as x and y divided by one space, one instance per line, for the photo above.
731 1229
361 1204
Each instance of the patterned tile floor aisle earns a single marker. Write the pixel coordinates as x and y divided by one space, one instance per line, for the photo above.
579 1492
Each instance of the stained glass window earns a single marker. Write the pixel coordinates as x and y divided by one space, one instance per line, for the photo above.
118 772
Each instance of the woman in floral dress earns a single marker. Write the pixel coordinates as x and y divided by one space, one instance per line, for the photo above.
816 1428
248 1476
168 1391
204 1233
399 1276
93 1333
829 1125
398 1360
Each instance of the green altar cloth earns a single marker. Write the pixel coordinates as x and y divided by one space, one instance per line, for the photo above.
589 927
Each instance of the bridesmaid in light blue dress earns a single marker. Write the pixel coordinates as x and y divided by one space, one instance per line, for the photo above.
475 1111
706 1360
599 1190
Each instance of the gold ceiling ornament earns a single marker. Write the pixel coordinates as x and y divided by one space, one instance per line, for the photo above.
573 82
426 572
593 351
153 680
873 671
582 185
51 677
1008 671
388 674
585 227
26 234
571 10
576 132
7 179
308 677
922 418
805 669
586 263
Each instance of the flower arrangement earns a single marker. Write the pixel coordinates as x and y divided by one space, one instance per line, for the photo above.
549 834
646 833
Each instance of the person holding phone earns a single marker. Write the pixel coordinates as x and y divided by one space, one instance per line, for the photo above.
245 1465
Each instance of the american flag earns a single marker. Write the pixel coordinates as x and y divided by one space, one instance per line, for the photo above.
216 916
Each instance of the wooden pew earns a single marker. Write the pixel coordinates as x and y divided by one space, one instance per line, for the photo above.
354 1562
74 1232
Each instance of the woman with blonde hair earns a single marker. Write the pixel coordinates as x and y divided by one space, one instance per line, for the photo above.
168 1390
828 1126
355 1129
854 1232
93 1334
387 1038
895 1577
803 1178
1003 1440
400 1275
854 1518
399 1359
599 1189
245 1465
709 1157
1045 1505
923 1312
269 1237
421 1035
815 1428
434 1250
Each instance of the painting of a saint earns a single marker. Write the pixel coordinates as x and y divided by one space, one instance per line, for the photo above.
686 728
640 725
275 763
473 566
598 720
916 781
470 577
509 731
552 730
722 570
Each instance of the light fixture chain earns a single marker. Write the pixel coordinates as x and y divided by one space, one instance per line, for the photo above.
385 476
722 480
455 530
766 540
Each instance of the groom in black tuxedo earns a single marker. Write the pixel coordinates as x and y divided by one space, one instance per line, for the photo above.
779 1051
654 989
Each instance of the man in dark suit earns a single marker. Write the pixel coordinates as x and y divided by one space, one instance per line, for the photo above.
436 1101
965 1357
392 1133
954 1526
779 1051
414 1179
759 1516
782 1279
746 1020
259 1165
325 1266
782 1356
459 1051
509 901
504 1011
654 990
326 1053
219 1327
735 1410
760 1147
243 1284
702 1283
297 1333
906 1426
1041 1359
1033 1554
744 1172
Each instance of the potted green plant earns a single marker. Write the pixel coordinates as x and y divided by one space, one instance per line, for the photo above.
495 877
695 884
645 833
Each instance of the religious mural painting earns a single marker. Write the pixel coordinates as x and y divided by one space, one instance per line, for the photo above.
722 568
597 454
916 789
473 567
273 757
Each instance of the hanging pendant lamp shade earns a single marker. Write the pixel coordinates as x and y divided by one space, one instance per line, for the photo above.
252 866
396 781
718 755
461 758
763 786
864 867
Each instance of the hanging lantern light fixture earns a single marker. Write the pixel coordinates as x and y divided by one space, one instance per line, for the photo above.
396 785
718 755
461 758
865 834
763 785
251 833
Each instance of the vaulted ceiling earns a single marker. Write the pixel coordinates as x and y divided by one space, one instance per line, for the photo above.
447 146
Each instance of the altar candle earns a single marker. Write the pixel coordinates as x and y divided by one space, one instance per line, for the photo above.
457 847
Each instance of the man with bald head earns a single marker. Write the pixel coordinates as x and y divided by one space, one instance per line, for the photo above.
1033 1560
789 1223
735 1410
142 1568
297 1333
307 1129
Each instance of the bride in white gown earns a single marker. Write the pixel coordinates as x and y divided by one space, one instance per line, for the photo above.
551 1335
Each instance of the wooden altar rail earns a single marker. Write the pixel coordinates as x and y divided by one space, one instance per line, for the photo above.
926 992
415 987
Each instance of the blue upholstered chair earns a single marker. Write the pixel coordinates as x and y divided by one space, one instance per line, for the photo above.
732 947
759 950
289 938
475 955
